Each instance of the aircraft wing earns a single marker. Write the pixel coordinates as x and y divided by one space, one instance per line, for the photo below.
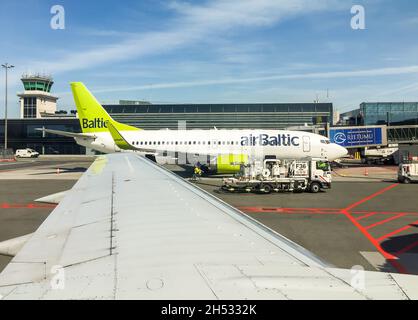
130 229
67 134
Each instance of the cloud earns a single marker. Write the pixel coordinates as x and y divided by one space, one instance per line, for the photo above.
193 23
314 75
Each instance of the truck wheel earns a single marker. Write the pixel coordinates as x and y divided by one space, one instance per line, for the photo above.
406 180
267 188
315 187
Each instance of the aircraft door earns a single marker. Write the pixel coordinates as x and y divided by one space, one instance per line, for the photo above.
306 144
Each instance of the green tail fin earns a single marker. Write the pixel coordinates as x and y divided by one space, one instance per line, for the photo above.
93 117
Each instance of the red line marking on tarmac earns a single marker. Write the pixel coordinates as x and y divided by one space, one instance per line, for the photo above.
384 221
389 257
407 248
26 205
356 204
396 231
368 235
366 216
291 210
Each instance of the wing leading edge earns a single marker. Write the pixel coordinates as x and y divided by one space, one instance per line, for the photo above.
130 229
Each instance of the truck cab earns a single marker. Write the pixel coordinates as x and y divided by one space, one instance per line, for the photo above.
408 170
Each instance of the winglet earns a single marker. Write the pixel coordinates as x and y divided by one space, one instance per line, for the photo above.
120 141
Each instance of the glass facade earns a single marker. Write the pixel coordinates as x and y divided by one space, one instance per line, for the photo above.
37 85
22 134
390 113
223 116
29 107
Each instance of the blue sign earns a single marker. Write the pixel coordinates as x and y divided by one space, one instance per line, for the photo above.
355 137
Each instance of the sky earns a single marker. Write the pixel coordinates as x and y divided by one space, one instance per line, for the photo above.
220 51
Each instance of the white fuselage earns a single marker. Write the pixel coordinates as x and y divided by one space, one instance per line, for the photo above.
256 143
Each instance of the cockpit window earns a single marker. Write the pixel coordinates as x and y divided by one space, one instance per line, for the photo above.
325 141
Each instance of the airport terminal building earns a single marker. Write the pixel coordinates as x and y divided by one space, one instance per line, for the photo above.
223 116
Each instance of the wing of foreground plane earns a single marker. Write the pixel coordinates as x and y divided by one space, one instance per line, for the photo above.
131 229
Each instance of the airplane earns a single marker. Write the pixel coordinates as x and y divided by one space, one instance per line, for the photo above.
222 151
131 229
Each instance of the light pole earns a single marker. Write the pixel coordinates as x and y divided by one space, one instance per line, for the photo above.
6 66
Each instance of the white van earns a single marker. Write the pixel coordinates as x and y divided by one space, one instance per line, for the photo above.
26 153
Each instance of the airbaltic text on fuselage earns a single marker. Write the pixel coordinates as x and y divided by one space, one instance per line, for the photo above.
267 140
95 123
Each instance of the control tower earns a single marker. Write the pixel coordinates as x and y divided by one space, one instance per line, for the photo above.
36 98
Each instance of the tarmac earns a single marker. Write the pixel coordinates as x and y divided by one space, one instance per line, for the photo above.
367 219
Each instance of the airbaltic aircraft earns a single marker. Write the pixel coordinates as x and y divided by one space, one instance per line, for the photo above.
225 149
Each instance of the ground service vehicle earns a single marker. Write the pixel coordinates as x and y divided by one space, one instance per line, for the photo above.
383 155
26 153
281 175
408 170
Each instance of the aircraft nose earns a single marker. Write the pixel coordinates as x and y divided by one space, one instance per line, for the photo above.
340 151
336 151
